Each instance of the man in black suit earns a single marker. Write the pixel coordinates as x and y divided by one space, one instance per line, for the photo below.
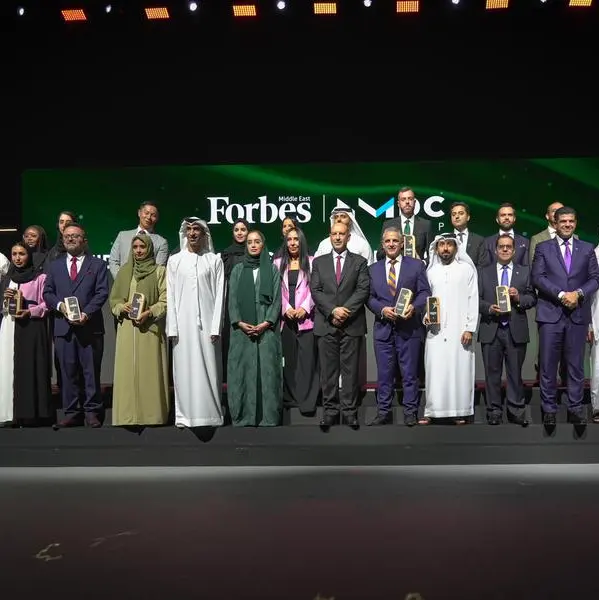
506 218
504 336
475 244
409 224
340 286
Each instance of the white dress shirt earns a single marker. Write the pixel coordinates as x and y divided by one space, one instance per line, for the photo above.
562 246
397 266
510 269
552 232
343 256
80 260
510 232
403 223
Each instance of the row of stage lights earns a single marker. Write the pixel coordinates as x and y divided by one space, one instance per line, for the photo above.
242 9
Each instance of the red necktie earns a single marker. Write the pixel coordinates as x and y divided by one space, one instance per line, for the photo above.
73 268
338 269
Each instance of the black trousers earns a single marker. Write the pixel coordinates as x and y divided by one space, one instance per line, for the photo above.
339 355
502 350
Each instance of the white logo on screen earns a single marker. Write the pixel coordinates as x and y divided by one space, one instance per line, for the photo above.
263 211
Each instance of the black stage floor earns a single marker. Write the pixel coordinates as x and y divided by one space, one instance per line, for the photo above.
300 445
515 532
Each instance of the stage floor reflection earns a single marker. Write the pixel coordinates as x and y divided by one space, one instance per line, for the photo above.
517 532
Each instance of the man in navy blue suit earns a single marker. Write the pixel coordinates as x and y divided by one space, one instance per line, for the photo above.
397 339
566 275
79 344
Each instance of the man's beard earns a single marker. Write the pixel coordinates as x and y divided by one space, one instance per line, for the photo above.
447 260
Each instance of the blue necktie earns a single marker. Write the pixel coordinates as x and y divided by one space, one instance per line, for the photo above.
504 281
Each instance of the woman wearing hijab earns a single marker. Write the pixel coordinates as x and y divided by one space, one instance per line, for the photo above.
140 393
35 237
195 296
65 218
231 256
25 392
300 372
254 379
358 244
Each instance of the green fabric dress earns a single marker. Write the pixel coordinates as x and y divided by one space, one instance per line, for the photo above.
140 393
254 368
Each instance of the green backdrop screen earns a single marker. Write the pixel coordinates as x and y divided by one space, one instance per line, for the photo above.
106 200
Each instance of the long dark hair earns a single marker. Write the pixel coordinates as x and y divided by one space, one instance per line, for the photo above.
304 260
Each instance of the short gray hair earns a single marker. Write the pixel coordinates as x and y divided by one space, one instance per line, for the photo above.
393 228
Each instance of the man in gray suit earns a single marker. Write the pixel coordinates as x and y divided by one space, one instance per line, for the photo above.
475 244
148 217
409 224
504 336
340 286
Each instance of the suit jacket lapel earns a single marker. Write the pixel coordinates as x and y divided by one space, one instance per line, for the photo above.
346 263
558 252
81 274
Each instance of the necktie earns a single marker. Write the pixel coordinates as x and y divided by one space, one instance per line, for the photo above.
461 236
406 228
338 269
392 280
567 255
504 281
73 272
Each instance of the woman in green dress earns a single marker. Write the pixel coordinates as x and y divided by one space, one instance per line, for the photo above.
140 393
254 373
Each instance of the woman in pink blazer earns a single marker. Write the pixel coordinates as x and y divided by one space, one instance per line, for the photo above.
300 372
25 392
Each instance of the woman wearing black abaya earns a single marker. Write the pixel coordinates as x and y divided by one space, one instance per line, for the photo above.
35 237
25 393
231 256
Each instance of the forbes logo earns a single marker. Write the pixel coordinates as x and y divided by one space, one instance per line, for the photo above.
258 212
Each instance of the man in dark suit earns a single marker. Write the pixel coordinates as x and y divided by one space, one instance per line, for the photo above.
506 218
397 338
504 336
566 275
409 224
79 344
475 244
340 286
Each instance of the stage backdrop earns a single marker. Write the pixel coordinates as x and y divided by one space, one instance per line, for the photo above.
106 201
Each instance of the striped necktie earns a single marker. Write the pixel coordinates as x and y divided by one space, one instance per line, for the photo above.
392 280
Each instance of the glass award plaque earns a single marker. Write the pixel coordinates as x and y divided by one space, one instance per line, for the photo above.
503 298
138 303
73 310
433 310
14 305
409 246
403 301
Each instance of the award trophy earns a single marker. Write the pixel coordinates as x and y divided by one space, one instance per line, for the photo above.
409 246
433 310
503 298
73 310
403 301
14 305
138 303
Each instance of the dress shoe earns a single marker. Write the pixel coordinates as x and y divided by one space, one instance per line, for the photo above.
494 420
352 422
328 421
577 419
549 420
93 421
410 420
69 422
519 421
381 420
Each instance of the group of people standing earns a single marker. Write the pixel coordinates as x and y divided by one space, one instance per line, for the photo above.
287 329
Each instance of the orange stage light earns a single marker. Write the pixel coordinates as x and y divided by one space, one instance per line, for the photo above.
160 12
76 14
408 6
497 4
325 8
244 10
